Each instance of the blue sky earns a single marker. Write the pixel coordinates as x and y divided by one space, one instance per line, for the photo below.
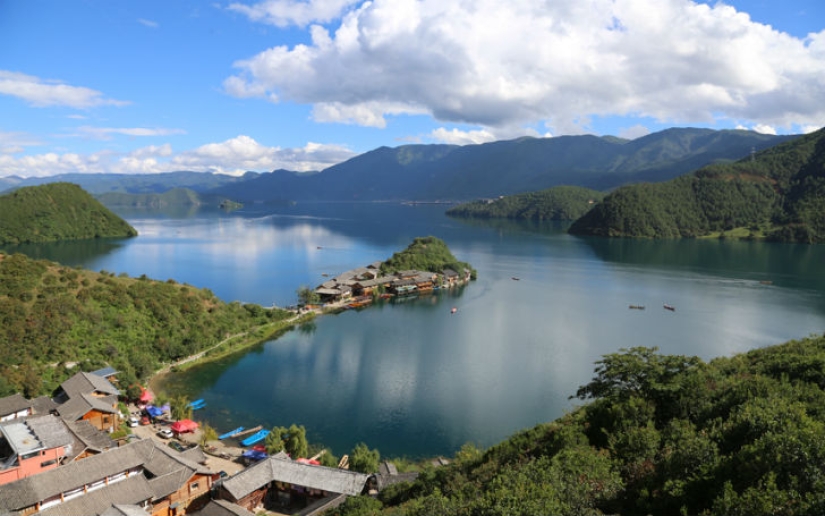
227 86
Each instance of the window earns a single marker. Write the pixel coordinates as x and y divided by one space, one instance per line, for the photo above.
48 463
193 486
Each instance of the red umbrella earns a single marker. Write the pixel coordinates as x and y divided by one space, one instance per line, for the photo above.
183 426
146 396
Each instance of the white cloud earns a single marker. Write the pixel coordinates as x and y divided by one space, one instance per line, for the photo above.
764 129
234 156
631 133
283 13
16 142
105 133
458 137
148 23
518 63
41 93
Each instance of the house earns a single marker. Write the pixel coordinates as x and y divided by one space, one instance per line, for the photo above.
278 482
223 508
31 446
109 373
88 440
89 397
15 406
143 473
451 277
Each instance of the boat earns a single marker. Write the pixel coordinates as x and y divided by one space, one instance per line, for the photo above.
197 404
515 278
258 436
669 307
231 433
454 310
636 307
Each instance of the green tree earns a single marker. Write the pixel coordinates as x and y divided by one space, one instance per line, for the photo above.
364 460
295 441
180 408
307 296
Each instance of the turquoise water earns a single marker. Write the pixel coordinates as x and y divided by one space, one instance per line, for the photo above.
414 379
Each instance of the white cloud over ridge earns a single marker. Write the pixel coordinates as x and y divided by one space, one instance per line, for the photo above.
42 93
105 133
234 156
500 64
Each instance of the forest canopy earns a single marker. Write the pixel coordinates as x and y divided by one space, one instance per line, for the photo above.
57 211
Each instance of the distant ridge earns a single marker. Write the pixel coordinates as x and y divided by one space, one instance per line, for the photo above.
450 172
778 194
57 211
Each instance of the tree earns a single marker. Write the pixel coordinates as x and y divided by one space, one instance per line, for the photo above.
275 440
307 296
364 460
180 408
295 442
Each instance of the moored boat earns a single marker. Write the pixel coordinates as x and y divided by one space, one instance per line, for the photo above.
258 436
636 307
669 307
231 433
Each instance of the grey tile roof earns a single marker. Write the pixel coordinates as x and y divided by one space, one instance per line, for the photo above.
13 404
223 508
43 405
157 459
80 404
315 477
90 436
87 383
124 510
167 484
133 490
194 454
36 433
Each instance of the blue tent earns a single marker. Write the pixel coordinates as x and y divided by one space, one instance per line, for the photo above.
153 411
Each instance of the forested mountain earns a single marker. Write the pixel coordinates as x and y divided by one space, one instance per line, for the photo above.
659 434
557 203
429 172
51 315
174 197
97 184
57 211
777 194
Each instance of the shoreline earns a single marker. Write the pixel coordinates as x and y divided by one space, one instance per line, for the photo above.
226 347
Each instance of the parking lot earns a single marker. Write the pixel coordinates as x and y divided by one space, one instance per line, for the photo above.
215 463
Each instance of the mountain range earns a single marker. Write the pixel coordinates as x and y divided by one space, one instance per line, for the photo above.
451 172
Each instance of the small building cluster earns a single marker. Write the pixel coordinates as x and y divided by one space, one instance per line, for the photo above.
361 285
57 459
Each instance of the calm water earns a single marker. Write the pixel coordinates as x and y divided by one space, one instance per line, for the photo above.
413 379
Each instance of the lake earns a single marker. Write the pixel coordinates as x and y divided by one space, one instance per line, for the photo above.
413 379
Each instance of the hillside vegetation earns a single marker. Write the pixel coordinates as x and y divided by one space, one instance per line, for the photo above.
51 315
557 203
660 434
56 211
425 254
778 195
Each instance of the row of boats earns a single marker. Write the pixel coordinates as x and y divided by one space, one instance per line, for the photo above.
642 307
257 437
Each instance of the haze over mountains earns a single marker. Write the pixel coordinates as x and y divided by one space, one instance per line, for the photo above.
450 172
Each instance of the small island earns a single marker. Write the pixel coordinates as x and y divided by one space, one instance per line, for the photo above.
557 203
424 266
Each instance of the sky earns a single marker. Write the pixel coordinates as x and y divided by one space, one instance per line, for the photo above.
228 86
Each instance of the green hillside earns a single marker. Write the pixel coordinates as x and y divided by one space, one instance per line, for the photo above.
425 254
52 315
56 211
779 194
658 434
558 203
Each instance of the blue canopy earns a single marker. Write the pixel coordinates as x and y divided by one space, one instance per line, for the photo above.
254 455
153 411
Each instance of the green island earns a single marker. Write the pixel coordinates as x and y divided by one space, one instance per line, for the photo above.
777 194
57 211
557 203
425 254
